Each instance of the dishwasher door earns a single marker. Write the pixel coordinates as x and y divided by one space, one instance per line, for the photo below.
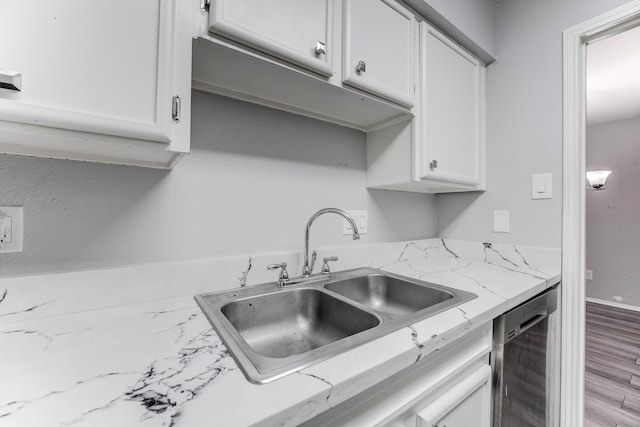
521 361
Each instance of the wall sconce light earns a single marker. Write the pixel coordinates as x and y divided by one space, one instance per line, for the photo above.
596 179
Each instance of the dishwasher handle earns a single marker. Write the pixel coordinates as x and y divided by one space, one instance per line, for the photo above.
525 316
531 323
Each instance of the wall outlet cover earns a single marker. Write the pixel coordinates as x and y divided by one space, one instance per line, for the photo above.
360 217
5 229
588 274
501 221
11 226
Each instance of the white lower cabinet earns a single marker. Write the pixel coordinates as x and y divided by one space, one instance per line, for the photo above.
451 388
468 403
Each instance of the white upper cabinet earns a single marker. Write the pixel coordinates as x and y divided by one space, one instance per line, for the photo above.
443 148
299 31
100 81
379 45
452 102
288 54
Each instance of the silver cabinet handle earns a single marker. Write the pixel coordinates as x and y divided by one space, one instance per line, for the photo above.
361 67
176 106
11 80
433 165
321 48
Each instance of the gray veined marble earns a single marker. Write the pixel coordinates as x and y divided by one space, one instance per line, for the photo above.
91 349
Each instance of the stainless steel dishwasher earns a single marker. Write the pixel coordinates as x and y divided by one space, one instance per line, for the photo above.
523 361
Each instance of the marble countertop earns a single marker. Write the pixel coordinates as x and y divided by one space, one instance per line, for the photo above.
129 346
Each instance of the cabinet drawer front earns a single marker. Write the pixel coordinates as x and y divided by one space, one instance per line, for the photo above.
294 30
102 67
379 46
465 404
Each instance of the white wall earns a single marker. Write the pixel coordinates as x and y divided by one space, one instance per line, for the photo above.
524 119
613 215
253 179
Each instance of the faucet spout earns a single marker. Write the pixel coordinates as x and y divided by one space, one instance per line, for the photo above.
307 268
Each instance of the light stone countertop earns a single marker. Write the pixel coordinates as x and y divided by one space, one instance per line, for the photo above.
129 346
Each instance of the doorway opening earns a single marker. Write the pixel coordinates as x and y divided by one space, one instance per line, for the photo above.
575 40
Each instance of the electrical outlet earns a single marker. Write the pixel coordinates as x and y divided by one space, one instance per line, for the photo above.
361 219
5 229
588 274
11 227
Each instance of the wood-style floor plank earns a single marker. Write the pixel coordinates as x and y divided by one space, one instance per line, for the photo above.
613 312
601 388
612 378
600 346
632 404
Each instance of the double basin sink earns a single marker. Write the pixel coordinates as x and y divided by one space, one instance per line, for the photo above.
272 331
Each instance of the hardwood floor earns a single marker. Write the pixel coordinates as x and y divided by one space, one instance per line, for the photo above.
612 378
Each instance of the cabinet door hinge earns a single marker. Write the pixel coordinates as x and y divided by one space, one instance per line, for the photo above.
175 108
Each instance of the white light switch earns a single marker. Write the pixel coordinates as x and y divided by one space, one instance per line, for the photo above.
501 221
541 186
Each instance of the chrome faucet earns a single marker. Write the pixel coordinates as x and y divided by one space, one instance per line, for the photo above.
307 269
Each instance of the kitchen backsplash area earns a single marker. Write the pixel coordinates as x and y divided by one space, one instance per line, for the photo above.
253 178
29 297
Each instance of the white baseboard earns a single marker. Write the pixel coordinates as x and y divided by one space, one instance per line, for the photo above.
613 304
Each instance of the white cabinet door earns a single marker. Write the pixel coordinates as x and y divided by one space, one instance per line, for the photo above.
468 403
108 71
452 102
299 31
379 46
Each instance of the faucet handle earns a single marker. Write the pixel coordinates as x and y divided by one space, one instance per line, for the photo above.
325 264
283 273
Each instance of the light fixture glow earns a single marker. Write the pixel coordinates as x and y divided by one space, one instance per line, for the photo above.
597 179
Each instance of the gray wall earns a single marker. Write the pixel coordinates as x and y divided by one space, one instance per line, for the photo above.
524 118
475 18
613 215
472 23
253 178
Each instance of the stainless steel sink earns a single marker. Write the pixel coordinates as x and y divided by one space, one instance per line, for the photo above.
272 331
289 323
390 295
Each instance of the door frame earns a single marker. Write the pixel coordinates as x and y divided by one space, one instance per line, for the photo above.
575 40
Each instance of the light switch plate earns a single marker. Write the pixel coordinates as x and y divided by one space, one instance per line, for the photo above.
360 217
501 221
541 186
11 227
